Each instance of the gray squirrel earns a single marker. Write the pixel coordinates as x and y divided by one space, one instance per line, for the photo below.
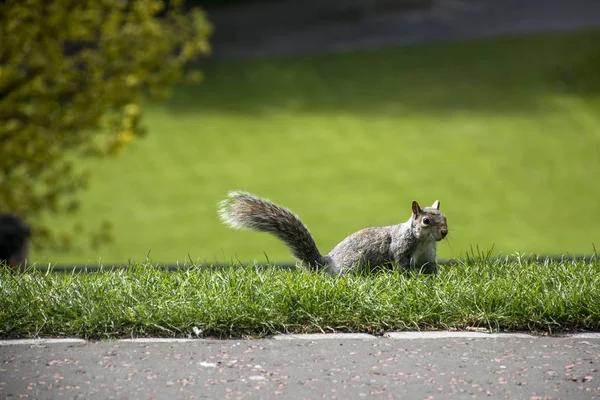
411 244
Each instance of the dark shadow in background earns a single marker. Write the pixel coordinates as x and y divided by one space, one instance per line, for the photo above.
507 77
250 22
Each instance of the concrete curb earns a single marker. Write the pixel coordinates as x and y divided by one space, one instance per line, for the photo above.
426 335
41 341
325 336
455 335
159 340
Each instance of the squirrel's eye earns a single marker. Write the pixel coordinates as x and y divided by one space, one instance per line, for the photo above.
425 221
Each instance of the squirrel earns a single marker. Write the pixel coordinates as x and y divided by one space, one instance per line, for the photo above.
411 244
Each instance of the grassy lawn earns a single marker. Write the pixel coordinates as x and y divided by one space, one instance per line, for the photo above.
494 129
253 302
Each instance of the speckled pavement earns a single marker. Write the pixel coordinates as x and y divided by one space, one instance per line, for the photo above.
400 365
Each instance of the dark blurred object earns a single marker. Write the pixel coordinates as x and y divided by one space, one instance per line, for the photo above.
241 23
340 4
14 241
292 13
258 28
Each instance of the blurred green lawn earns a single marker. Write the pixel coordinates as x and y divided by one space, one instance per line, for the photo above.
494 129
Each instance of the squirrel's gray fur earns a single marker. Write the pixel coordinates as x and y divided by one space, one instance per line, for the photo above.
411 244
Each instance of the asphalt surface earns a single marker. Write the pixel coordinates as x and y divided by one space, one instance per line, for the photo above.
504 367
310 26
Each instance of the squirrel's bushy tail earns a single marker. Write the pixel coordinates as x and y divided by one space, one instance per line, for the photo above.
244 210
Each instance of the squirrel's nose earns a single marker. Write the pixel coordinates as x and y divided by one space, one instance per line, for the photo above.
444 232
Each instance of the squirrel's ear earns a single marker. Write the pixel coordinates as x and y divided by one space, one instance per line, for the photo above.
416 208
436 205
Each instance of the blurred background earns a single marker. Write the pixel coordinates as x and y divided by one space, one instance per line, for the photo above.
344 111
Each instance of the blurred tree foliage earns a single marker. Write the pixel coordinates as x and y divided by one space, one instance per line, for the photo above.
72 74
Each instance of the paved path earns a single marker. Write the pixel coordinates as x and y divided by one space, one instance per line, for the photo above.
405 366
298 26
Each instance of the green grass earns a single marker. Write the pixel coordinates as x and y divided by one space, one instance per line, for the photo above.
505 132
145 300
